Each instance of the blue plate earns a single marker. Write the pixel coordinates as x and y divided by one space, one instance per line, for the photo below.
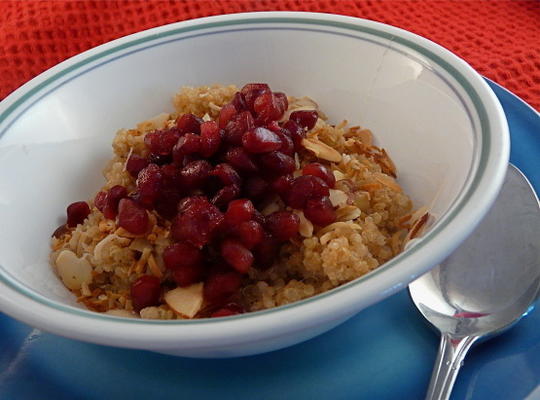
385 352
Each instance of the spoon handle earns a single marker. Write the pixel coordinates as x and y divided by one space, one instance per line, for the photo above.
452 351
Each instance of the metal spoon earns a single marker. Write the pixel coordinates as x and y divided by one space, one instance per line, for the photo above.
487 284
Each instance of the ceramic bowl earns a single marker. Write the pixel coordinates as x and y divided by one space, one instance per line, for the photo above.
437 118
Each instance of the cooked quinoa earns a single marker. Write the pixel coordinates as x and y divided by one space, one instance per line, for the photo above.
374 217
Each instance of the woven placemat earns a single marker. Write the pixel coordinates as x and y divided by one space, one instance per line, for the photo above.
501 39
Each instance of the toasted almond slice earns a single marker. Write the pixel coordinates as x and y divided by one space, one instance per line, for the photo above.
124 233
154 268
100 251
139 244
417 228
348 213
139 267
186 301
338 175
121 313
270 208
73 271
388 182
338 198
336 225
363 135
306 227
321 150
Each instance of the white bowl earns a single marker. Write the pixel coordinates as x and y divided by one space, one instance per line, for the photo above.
440 122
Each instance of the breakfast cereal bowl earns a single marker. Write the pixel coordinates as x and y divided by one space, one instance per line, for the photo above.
432 113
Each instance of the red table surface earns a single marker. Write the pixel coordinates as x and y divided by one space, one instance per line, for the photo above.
500 39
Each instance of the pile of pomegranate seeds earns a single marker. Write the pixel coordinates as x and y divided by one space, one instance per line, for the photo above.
210 178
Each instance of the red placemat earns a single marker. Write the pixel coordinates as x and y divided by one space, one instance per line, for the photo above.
501 39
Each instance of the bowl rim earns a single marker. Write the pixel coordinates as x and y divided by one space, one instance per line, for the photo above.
467 210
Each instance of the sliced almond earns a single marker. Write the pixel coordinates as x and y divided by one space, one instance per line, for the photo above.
338 175
73 271
348 213
139 244
101 251
121 313
388 182
153 267
270 208
337 225
338 198
306 227
321 150
186 301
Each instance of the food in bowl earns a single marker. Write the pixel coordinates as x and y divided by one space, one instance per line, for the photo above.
240 200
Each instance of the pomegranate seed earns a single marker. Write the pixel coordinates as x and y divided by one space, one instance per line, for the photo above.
258 217
148 184
189 123
239 211
100 200
188 144
283 225
192 201
320 211
197 222
282 103
320 171
304 118
278 163
145 292
267 108
287 145
296 132
239 102
235 128
225 114
260 140
135 164
210 138
228 310
225 195
220 286
189 159
240 159
282 185
161 142
305 187
77 213
60 231
255 188
195 174
226 174
170 177
236 255
187 275
266 251
159 159
181 254
253 90
273 126
132 217
167 203
250 233
114 195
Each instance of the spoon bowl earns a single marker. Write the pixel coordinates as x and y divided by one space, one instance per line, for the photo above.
487 284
